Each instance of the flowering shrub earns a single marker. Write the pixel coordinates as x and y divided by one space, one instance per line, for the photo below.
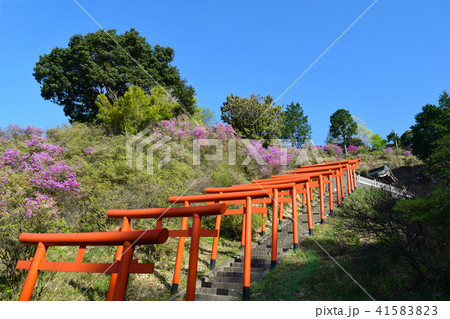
388 151
182 128
274 159
266 161
333 149
33 180
352 149
316 147
41 162
407 153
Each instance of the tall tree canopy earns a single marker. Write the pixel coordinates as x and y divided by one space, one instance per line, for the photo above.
431 125
135 110
255 117
296 125
97 64
342 126
393 137
405 139
362 132
378 143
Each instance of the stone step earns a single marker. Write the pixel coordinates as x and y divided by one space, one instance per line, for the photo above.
280 243
219 291
264 263
260 253
204 297
266 254
236 272
224 285
268 248
241 269
233 279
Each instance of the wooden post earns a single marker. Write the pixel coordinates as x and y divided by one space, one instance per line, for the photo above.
273 261
33 273
338 188
264 216
215 246
193 258
308 207
180 251
330 192
243 228
294 217
322 199
119 252
248 249
122 275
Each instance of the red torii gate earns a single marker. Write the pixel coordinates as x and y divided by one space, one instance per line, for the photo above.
275 193
348 165
195 232
248 196
305 183
121 268
337 173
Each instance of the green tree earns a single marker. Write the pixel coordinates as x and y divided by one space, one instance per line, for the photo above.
431 125
255 117
405 139
439 163
295 124
330 139
355 141
135 110
95 64
362 132
378 143
342 127
393 137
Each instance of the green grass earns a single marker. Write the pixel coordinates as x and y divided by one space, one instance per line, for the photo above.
311 274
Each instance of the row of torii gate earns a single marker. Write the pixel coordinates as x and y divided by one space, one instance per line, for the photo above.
275 191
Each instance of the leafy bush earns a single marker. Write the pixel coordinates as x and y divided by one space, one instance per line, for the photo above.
352 149
388 151
34 182
378 143
135 110
415 236
333 149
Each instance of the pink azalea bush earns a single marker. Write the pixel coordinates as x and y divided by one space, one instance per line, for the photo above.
40 163
388 151
352 149
264 160
34 180
274 159
333 149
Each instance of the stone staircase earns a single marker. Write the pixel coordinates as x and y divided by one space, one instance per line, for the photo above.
226 282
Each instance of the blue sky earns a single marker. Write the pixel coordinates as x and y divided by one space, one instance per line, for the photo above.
393 61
